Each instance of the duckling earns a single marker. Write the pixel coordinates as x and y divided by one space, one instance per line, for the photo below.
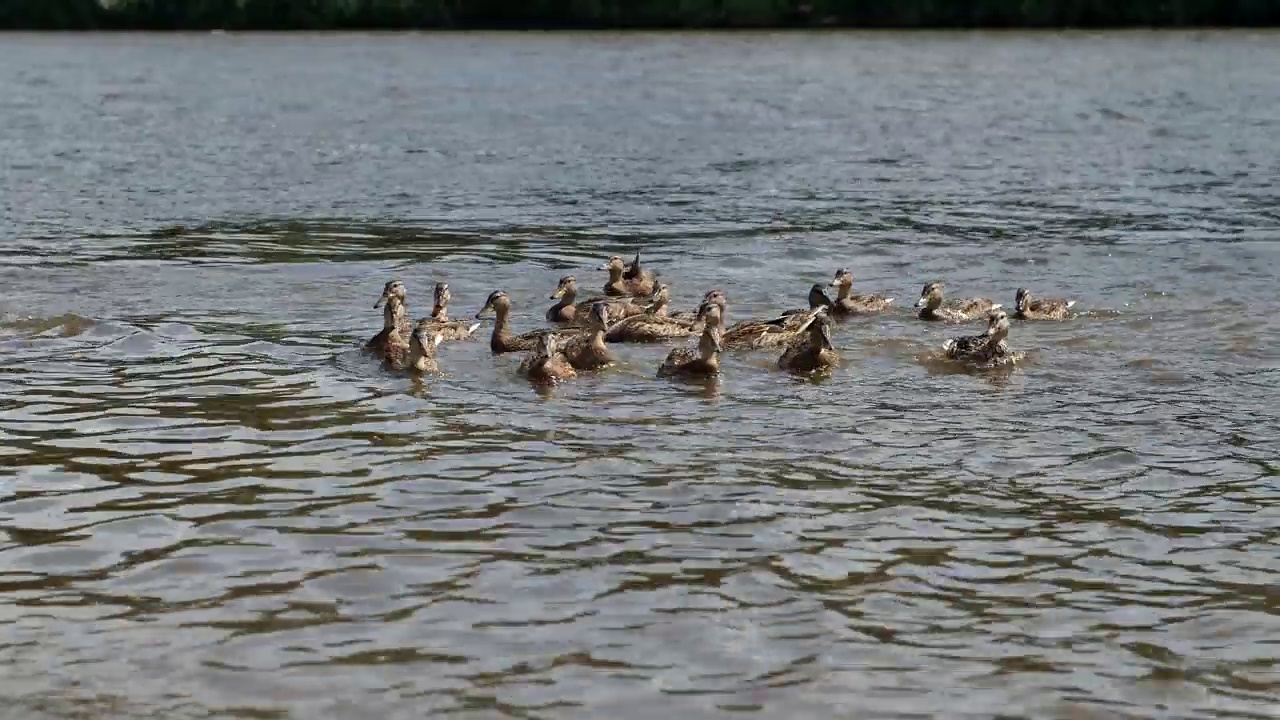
849 304
546 363
587 351
932 307
439 320
502 341
812 351
567 311
422 348
817 298
705 362
621 286
986 350
1026 308
772 333
392 290
394 350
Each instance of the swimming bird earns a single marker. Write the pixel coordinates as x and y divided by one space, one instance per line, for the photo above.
847 303
395 322
932 307
621 286
659 305
817 298
986 350
422 348
502 341
439 320
705 361
650 326
569 311
778 332
545 363
811 351
1027 308
587 351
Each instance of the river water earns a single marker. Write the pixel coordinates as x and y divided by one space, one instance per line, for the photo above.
211 505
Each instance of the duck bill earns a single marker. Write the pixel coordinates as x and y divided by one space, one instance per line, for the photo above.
922 302
380 301
559 293
487 307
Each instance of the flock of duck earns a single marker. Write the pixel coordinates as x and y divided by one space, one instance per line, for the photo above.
634 308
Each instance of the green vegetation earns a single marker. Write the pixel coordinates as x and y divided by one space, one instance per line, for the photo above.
394 14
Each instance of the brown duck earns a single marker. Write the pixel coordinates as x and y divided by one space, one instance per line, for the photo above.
987 350
705 361
545 363
847 303
502 341
392 318
569 311
587 351
811 351
1026 307
620 285
439 320
932 307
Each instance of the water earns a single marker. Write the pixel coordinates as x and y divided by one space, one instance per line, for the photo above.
212 506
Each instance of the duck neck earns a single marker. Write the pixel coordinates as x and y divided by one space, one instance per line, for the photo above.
500 328
615 278
597 340
566 299
392 318
440 313
843 291
707 349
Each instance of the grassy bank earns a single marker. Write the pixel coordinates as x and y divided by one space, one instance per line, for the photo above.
406 14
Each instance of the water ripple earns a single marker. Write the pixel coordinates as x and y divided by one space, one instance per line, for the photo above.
212 505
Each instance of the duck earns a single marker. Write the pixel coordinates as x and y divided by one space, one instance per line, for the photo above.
817 298
651 326
1027 308
502 341
932 308
422 347
659 301
781 331
391 319
587 351
636 270
545 363
986 350
849 304
703 362
789 320
812 351
569 311
439 320
621 286
394 349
